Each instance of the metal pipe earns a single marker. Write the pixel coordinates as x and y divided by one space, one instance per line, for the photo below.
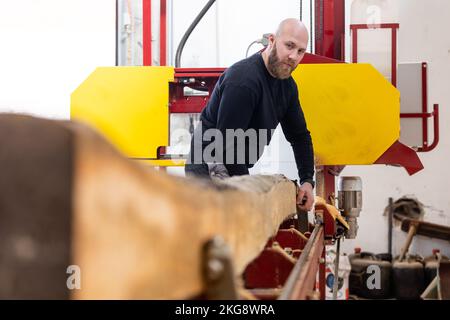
301 10
436 129
189 31
390 214
336 269
163 33
117 33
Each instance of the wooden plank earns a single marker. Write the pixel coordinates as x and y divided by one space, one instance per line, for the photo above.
427 229
138 233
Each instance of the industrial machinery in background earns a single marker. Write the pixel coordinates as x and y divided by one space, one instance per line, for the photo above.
136 108
350 202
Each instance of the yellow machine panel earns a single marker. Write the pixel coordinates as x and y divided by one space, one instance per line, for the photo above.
352 111
129 105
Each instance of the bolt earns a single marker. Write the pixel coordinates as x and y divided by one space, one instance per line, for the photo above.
215 269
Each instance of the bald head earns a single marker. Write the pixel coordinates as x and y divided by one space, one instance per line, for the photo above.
286 48
292 27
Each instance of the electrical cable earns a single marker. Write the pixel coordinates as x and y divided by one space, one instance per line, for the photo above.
117 33
301 10
251 44
189 31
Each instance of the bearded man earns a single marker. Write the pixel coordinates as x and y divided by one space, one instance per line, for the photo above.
252 97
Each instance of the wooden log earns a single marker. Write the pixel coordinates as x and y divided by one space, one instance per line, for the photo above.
35 208
135 233
139 233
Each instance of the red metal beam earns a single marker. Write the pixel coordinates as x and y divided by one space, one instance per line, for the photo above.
269 270
426 146
354 45
432 146
375 26
329 44
394 57
314 58
289 238
330 28
302 279
424 104
399 154
163 33
147 32
394 27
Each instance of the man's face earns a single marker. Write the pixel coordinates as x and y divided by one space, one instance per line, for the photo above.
285 56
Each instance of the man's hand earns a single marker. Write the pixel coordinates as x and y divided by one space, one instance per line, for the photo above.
305 191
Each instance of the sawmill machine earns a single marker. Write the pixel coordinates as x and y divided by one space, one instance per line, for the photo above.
345 106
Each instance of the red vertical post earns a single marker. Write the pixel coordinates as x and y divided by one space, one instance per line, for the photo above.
354 45
339 26
319 27
330 185
163 34
147 31
394 57
330 28
424 104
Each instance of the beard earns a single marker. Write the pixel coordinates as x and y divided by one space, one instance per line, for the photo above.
278 68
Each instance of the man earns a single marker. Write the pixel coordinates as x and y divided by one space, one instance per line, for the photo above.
257 94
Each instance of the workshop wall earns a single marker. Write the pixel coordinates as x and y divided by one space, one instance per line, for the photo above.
228 28
422 25
48 48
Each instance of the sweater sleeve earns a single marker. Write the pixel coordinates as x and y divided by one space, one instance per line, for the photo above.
297 134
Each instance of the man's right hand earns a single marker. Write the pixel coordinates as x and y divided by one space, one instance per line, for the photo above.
305 191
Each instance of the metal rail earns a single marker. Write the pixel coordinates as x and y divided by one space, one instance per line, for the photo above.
302 279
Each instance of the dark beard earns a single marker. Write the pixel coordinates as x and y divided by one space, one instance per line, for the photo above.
275 65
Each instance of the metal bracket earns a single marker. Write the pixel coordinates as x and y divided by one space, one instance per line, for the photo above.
217 270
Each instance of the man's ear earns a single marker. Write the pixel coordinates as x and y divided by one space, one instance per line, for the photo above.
271 39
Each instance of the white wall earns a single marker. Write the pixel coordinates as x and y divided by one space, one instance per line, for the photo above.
223 36
421 38
48 47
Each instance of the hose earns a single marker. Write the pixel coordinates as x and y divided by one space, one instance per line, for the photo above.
189 31
251 44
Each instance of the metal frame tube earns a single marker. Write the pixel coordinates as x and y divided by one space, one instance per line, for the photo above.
303 277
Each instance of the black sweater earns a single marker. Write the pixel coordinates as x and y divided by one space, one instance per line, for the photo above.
248 97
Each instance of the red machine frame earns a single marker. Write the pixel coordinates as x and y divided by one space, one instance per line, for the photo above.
424 115
393 26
